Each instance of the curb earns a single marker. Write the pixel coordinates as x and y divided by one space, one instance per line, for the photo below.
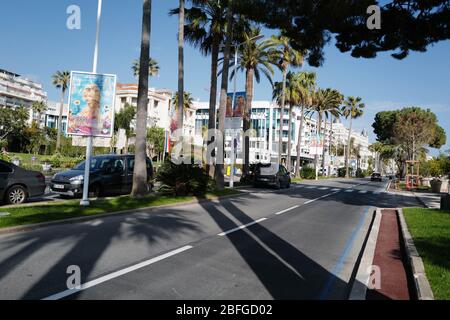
421 284
361 281
35 226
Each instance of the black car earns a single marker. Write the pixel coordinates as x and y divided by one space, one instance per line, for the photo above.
109 174
272 175
18 184
376 177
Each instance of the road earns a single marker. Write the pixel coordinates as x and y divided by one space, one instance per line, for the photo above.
301 243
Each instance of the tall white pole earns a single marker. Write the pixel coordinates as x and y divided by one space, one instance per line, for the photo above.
233 137
87 166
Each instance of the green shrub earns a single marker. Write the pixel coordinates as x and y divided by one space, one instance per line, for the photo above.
360 173
5 157
308 173
342 171
183 179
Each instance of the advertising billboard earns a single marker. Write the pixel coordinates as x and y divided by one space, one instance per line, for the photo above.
91 104
235 111
316 144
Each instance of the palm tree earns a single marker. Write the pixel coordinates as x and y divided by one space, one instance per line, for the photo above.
255 59
39 107
307 88
205 29
219 170
321 101
61 80
153 68
330 109
180 64
188 100
286 56
353 108
292 94
330 148
140 183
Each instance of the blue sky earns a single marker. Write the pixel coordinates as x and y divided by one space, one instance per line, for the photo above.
36 43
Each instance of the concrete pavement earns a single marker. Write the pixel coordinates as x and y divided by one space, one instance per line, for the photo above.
301 243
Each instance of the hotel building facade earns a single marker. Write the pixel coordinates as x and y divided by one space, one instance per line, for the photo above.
16 91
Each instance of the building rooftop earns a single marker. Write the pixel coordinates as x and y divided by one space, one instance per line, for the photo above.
135 87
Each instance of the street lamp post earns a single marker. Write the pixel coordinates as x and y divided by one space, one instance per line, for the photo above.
87 164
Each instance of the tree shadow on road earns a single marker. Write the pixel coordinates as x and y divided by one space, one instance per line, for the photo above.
285 272
87 245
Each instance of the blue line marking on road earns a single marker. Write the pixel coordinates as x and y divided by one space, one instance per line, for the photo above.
340 264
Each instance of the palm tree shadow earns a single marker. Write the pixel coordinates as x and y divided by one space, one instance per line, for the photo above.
90 243
285 272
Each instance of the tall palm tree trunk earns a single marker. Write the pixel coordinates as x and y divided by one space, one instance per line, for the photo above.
181 66
319 131
283 102
219 172
213 95
330 145
299 143
247 117
347 154
323 151
289 152
61 108
140 185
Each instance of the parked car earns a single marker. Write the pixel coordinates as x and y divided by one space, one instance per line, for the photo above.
272 175
18 184
376 176
109 174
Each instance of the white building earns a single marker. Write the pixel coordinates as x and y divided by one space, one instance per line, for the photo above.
160 112
158 103
360 141
50 118
264 143
18 91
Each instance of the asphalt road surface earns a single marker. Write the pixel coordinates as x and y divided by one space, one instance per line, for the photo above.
301 243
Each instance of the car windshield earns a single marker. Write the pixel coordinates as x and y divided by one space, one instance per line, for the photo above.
96 164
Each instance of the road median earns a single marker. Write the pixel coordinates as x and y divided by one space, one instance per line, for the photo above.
28 218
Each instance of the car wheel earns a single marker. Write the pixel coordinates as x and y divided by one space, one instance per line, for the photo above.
16 195
278 185
95 191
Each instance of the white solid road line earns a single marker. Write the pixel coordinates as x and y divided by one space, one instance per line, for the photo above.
287 210
116 274
241 227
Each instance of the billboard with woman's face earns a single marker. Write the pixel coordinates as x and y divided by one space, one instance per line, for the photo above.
91 104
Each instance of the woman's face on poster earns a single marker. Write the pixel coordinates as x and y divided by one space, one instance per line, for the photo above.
91 94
